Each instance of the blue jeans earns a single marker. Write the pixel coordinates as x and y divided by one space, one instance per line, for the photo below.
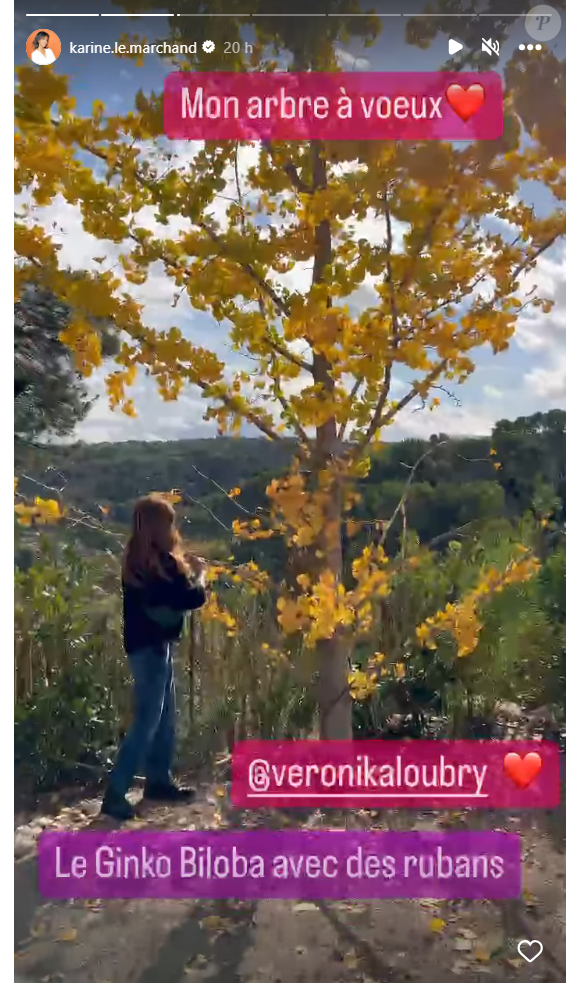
150 741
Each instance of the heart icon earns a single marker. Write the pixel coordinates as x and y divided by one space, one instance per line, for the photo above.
522 771
465 102
525 942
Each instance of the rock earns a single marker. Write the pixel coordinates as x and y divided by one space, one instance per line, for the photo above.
24 841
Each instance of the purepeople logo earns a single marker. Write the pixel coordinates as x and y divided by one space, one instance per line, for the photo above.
543 23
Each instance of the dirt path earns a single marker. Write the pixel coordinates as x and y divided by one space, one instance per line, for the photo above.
285 941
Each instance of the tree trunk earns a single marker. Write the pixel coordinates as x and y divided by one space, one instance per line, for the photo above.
334 700
333 695
191 659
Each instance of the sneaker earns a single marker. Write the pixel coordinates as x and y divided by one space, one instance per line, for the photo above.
117 807
168 793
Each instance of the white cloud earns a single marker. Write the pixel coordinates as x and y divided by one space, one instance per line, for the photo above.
155 420
549 383
492 392
536 330
457 421
372 228
545 334
351 62
537 333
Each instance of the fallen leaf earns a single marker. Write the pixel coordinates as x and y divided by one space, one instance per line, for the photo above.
214 923
530 899
198 960
69 935
350 960
516 963
462 945
482 956
460 967
437 924
305 906
300 950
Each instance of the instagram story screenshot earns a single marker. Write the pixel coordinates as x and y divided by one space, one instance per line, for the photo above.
289 510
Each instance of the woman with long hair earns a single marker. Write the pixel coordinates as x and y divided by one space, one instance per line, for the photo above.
159 585
42 55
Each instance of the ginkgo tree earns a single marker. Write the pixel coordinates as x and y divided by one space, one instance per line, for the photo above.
330 318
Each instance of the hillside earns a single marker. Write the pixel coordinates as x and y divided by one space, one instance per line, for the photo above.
458 480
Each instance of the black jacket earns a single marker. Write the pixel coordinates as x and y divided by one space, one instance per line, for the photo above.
153 611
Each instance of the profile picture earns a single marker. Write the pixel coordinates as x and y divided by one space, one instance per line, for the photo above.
43 47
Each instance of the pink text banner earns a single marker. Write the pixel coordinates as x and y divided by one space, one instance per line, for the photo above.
333 106
279 864
413 774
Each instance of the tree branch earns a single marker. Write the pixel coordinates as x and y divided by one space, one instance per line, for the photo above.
352 395
220 488
291 170
397 408
248 414
375 421
401 503
279 304
288 410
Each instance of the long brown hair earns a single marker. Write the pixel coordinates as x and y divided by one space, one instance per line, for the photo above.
154 535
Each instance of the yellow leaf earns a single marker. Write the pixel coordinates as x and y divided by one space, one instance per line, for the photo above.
437 924
173 497
214 923
399 670
350 960
69 935
235 492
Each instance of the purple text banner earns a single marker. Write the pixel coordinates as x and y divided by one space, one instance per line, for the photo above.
333 106
411 774
279 864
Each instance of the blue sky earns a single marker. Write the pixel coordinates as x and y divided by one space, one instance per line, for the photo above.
529 377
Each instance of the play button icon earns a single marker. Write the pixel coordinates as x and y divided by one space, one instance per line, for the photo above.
454 46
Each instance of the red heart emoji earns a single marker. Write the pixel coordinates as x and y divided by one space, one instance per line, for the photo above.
522 771
465 102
